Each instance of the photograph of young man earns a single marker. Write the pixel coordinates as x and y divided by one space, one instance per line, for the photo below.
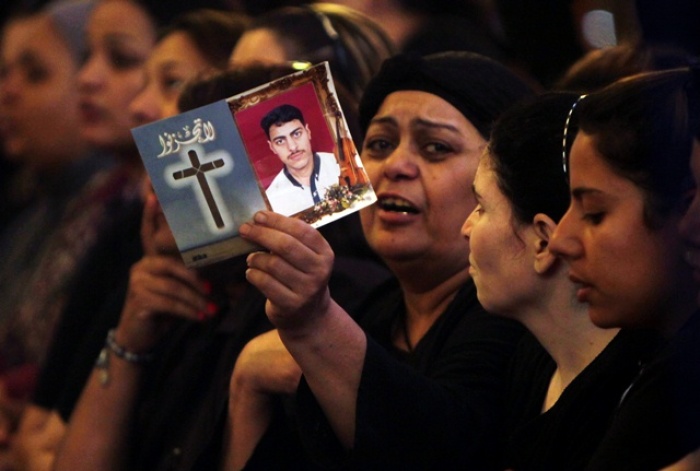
306 174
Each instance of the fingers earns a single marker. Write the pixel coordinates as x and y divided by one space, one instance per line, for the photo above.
151 208
164 285
297 248
288 237
160 289
294 275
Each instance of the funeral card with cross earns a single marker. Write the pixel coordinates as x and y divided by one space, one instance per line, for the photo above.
284 146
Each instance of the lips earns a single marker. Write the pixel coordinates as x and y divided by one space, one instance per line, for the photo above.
583 292
395 204
90 112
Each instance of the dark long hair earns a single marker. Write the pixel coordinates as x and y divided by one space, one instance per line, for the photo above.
213 32
644 128
353 44
526 154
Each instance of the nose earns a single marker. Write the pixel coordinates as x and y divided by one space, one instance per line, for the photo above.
91 74
9 87
466 230
145 107
565 241
401 163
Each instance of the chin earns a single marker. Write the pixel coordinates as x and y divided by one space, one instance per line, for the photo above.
605 318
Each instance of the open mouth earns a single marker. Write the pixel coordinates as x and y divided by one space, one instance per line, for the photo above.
397 205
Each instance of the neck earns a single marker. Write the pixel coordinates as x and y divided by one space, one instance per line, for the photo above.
426 300
303 175
680 307
562 326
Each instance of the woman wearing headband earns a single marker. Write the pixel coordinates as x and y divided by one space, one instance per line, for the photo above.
630 186
568 375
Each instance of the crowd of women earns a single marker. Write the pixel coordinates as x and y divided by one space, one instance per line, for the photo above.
523 295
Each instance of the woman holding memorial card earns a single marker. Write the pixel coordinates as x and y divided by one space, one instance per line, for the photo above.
418 383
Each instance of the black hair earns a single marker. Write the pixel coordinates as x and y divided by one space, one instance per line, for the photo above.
644 128
481 89
162 13
228 83
213 32
353 44
525 152
601 67
280 115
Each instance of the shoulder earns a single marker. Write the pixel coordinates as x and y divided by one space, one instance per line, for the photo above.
327 158
278 181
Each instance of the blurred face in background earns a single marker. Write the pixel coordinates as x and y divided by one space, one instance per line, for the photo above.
120 39
259 45
39 122
174 61
690 224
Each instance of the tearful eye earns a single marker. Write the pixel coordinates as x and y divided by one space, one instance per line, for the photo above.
436 147
377 145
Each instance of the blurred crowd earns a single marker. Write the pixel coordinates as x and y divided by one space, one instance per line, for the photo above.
484 314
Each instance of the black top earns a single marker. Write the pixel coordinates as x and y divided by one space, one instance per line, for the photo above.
437 407
183 401
565 436
93 308
658 421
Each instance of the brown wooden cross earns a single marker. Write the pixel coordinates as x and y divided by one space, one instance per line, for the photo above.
199 170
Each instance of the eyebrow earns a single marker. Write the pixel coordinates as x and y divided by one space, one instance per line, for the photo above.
383 120
580 192
417 122
476 193
421 122
288 134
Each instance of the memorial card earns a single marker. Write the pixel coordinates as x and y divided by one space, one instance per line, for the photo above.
283 146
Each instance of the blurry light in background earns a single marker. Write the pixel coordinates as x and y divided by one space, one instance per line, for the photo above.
598 29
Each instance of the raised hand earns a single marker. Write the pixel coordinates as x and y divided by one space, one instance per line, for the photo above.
294 274
160 287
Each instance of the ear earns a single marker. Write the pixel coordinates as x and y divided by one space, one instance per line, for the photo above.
272 148
544 227
308 130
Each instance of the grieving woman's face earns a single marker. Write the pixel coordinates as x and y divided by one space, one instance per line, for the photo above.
421 155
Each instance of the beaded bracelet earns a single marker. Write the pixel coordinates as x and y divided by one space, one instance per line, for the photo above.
102 362
123 353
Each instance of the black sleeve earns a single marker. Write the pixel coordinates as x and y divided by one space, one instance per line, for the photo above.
94 307
445 418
